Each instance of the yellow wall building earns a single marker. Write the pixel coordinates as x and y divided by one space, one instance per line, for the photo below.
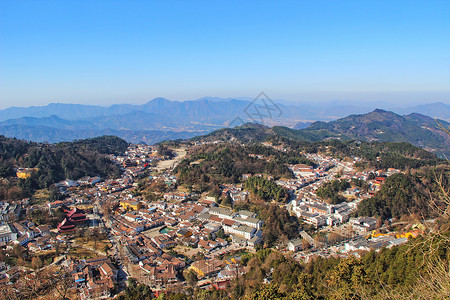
25 173
133 205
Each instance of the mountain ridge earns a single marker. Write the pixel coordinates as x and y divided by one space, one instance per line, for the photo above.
178 119
378 125
304 111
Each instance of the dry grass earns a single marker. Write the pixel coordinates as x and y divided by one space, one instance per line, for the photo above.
81 253
41 196
96 245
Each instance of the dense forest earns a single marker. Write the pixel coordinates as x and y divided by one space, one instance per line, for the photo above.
266 190
408 194
246 133
279 226
414 129
329 191
107 144
391 272
208 166
55 162
377 155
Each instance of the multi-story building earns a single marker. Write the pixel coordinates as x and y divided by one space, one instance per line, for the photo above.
7 233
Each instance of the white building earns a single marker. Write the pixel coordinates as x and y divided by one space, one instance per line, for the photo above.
250 221
7 233
295 245
242 230
222 213
363 225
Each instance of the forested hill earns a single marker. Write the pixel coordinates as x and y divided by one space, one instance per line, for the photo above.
379 125
56 162
378 155
107 144
386 126
417 193
246 133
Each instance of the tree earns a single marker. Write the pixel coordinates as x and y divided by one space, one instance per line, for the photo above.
106 248
267 292
266 190
63 283
329 191
347 278
136 291
36 262
227 201
191 278
221 234
57 249
334 238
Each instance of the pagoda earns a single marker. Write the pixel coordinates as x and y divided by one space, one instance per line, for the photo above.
66 225
74 217
77 216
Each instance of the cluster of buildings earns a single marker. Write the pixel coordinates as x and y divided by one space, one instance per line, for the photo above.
306 175
166 178
190 224
138 154
74 217
9 211
320 213
26 233
363 225
7 233
95 277
145 232
314 210
244 227
235 191
373 244
65 185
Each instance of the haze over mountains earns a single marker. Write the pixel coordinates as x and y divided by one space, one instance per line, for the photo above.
161 119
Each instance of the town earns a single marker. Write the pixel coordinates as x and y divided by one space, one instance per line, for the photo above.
103 231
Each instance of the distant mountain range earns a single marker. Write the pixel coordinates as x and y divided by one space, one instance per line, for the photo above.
379 125
385 126
161 119
151 122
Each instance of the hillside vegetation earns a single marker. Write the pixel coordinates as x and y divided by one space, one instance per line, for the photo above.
55 162
377 126
207 166
416 270
385 126
408 194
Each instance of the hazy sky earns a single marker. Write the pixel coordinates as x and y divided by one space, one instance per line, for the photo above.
101 52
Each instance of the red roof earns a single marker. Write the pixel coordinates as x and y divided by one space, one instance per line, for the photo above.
65 225
215 219
220 285
228 222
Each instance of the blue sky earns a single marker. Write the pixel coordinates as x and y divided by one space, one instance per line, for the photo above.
104 52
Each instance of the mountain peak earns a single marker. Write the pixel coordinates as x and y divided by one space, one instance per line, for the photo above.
251 125
381 111
54 117
158 100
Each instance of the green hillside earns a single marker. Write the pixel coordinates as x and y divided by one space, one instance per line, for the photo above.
55 162
377 126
